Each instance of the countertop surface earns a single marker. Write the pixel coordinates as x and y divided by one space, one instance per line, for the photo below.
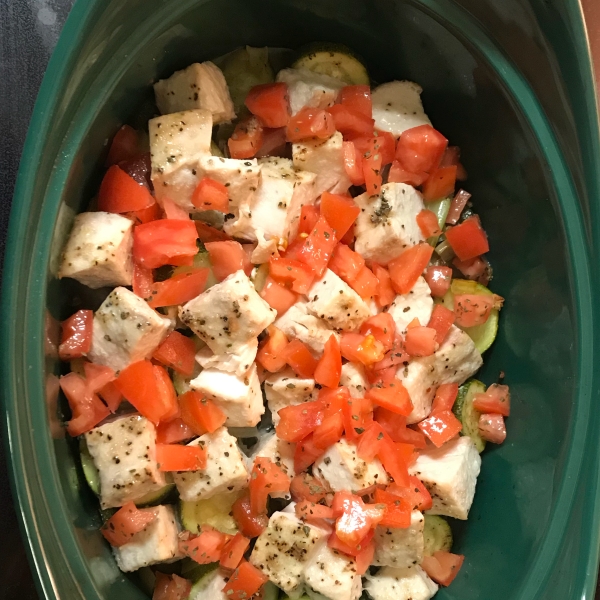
29 30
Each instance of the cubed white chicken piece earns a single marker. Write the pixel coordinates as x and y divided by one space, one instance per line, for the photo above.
354 378
124 452
306 88
400 547
334 301
280 452
410 583
450 474
237 363
275 209
283 550
210 586
287 389
157 543
397 107
228 315
240 177
455 361
126 330
387 224
417 304
201 85
330 574
238 396
177 142
325 158
98 251
296 322
344 470
225 468
264 250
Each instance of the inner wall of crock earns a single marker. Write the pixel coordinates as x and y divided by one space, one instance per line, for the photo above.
511 190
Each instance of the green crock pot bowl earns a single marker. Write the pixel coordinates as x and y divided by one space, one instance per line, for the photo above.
510 82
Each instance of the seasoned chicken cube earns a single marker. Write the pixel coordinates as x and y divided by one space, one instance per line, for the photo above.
280 452
225 468
237 363
343 470
450 474
400 547
265 249
275 209
418 304
284 548
306 88
98 252
240 177
201 85
387 224
326 159
334 301
397 107
310 330
410 583
157 543
177 142
332 575
238 396
455 361
354 378
287 389
126 330
124 452
228 315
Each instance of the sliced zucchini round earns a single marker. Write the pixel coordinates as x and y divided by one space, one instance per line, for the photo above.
89 468
161 496
215 511
270 591
440 209
202 578
201 261
259 276
334 60
465 411
437 535
483 336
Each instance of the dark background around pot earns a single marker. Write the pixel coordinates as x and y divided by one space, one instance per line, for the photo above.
29 30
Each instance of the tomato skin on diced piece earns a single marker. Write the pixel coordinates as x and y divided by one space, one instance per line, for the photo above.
395 426
200 414
317 248
171 587
366 350
178 289
245 582
307 487
398 510
125 145
408 267
121 193
233 551
177 352
125 523
420 341
385 292
86 408
173 432
445 396
354 519
298 356
471 310
395 457
468 239
383 327
310 123
428 223
310 511
353 163
351 122
206 233
309 215
270 103
491 427
271 351
163 242
292 273
346 263
278 296
250 524
142 281
369 442
296 422
392 396
306 453
211 195
441 427
358 98
421 149
442 567
398 174
247 138
340 212
204 548
365 284
414 492
166 394
438 279
227 258
496 399
441 321
439 184
76 335
174 457
266 478
329 368
372 161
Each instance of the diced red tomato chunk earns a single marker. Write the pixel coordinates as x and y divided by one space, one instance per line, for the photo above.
420 341
340 212
277 296
266 478
398 174
445 396
86 408
124 146
173 457
171 587
393 396
442 567
250 524
296 422
204 548
421 148
199 413
233 551
161 242
270 354
492 428
496 399
354 518
408 267
398 510
270 103
363 349
306 452
246 139
439 184
177 352
76 336
468 239
440 427
471 310
310 123
121 193
329 368
294 273
439 279
173 432
227 258
346 263
428 223
245 582
125 523
316 249
358 98
211 195
353 163
178 289
298 356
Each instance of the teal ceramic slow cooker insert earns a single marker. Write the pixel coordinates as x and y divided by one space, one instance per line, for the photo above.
508 81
